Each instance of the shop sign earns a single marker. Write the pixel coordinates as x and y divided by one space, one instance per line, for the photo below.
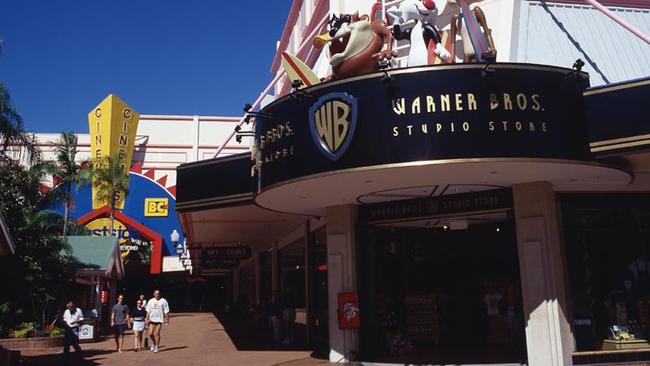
464 203
349 317
131 247
423 115
156 207
102 227
227 253
213 263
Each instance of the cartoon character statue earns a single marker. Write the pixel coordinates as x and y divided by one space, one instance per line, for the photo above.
355 45
478 45
424 13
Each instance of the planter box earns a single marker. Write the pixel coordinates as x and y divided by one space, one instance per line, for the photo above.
20 344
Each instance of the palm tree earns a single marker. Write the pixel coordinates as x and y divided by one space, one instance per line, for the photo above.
69 171
110 182
11 127
45 256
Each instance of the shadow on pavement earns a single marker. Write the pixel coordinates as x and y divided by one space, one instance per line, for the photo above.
165 349
250 336
58 359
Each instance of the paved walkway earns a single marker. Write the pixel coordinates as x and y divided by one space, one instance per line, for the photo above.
190 339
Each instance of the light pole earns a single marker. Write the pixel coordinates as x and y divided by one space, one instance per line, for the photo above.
175 238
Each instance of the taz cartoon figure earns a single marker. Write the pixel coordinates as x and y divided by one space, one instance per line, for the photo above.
355 45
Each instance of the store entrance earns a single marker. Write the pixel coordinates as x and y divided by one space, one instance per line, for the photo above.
441 291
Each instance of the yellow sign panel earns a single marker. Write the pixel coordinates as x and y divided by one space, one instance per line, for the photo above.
113 125
156 207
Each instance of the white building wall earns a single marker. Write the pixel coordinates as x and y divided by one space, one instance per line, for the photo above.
165 141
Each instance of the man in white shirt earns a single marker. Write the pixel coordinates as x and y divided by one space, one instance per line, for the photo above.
157 313
72 318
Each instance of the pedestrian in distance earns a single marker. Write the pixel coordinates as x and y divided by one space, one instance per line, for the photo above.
288 318
138 317
274 313
157 314
145 332
72 318
119 321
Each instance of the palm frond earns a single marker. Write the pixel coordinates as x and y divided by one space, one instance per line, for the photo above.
12 133
109 178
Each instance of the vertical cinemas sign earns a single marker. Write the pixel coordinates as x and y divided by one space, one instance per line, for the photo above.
113 125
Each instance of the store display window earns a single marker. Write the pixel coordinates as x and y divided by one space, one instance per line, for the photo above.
432 294
607 244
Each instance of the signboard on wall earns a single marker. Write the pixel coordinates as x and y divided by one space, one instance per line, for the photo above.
423 115
463 203
227 253
132 248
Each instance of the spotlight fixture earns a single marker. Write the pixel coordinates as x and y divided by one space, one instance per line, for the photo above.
298 95
487 72
578 65
383 66
247 108
577 68
239 135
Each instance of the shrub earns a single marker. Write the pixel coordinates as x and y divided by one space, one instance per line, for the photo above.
25 330
56 331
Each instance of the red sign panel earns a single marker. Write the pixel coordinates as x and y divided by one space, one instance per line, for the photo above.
349 310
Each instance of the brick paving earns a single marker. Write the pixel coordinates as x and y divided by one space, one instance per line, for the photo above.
190 339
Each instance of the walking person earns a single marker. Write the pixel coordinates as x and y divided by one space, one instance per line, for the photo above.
72 318
288 318
144 301
157 313
145 331
274 313
138 316
119 320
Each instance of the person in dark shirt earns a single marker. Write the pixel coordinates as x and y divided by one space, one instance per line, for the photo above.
274 312
119 320
138 317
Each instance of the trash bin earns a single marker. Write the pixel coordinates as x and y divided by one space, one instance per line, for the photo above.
88 331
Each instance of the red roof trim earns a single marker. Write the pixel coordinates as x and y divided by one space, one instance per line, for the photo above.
156 239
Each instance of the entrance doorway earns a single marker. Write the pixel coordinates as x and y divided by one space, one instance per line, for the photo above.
441 290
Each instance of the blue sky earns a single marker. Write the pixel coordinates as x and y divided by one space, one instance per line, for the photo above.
62 57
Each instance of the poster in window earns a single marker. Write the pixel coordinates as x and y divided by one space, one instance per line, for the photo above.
349 310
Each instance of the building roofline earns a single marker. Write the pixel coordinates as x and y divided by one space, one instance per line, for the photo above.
621 3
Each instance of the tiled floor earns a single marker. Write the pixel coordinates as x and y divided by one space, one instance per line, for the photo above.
190 339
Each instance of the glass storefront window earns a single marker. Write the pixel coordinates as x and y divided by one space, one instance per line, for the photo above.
607 241
292 269
440 295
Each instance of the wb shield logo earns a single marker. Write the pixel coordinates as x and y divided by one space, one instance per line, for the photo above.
332 120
